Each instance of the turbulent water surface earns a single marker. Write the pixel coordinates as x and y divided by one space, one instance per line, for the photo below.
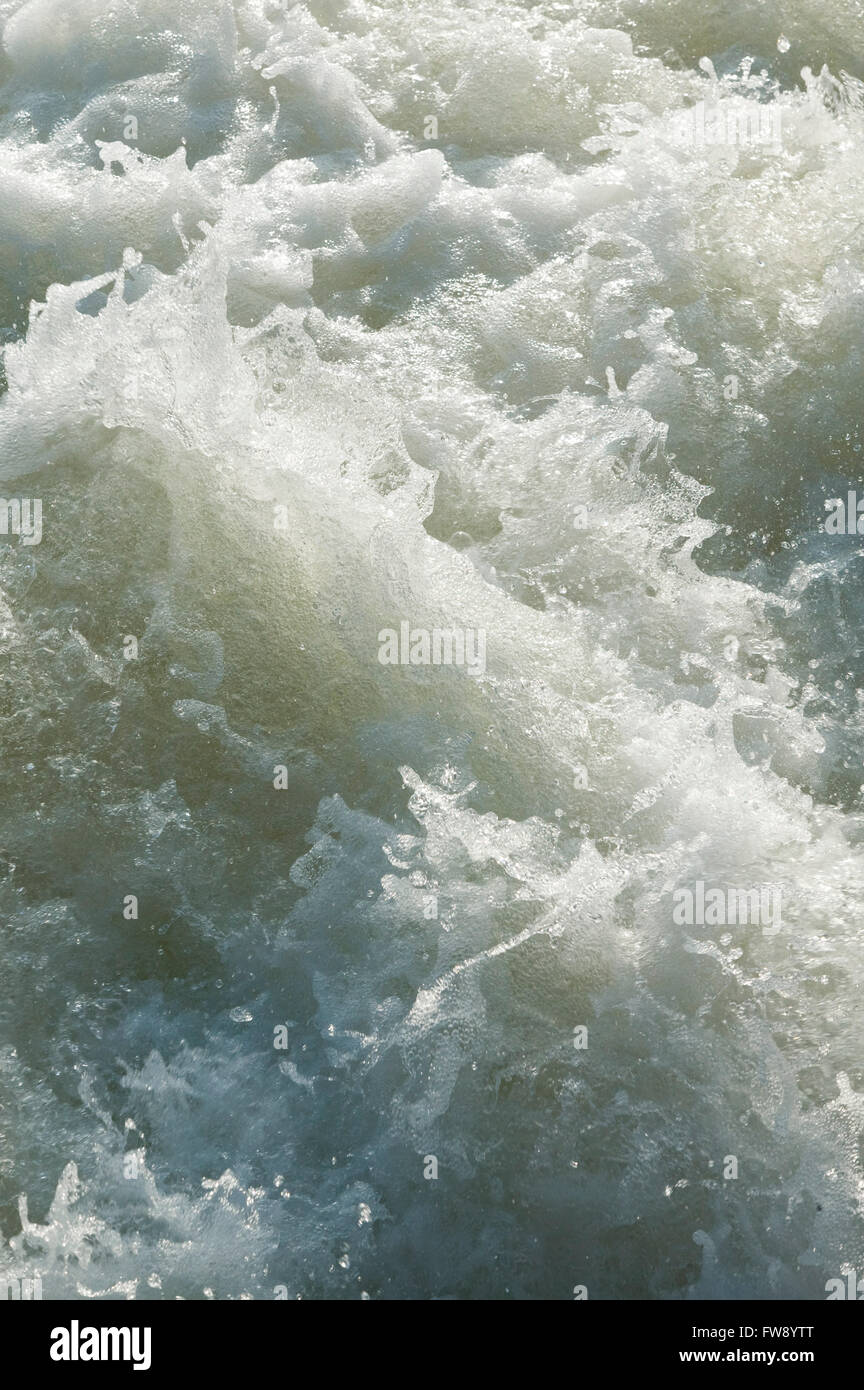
325 977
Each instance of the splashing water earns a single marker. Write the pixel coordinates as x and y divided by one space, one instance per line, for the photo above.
329 977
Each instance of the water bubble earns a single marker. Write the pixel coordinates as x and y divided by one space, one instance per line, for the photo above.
783 44
461 540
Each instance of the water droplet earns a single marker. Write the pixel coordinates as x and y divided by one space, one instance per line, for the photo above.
460 540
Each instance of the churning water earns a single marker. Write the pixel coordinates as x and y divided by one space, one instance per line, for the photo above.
345 336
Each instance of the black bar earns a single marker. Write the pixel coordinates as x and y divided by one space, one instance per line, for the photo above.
240 1338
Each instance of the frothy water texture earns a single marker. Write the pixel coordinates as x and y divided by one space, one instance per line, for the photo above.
320 318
